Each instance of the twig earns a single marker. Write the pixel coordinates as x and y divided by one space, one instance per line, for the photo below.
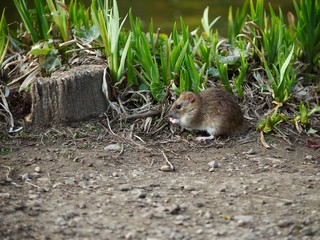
27 182
150 113
121 151
108 122
167 160
136 136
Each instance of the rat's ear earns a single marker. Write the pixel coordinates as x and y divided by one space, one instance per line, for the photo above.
190 97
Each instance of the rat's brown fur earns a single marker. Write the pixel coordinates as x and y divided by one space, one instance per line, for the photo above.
213 110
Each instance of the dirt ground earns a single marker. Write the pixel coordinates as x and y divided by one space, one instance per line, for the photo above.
102 186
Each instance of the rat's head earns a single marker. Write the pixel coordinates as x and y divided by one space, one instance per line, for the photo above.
185 108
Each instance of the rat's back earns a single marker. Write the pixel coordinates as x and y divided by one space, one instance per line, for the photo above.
221 112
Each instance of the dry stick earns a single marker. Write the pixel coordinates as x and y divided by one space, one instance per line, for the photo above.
27 182
167 160
150 113
122 149
136 136
108 122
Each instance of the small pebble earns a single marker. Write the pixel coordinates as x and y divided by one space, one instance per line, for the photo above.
214 164
307 231
140 193
174 209
72 223
285 223
33 196
207 215
251 151
189 188
26 176
125 187
165 168
37 169
82 205
113 147
4 195
60 221
71 214
130 235
70 181
243 219
115 174
309 157
57 184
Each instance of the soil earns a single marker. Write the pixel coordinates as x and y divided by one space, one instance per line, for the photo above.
72 184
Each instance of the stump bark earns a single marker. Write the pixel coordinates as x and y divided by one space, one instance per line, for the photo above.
69 96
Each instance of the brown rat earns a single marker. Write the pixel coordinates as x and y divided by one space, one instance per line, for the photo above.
213 110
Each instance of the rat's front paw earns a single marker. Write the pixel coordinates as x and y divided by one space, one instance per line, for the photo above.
173 120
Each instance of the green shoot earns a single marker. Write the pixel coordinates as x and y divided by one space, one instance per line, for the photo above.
284 79
60 16
269 124
308 30
304 115
242 74
4 40
236 23
108 23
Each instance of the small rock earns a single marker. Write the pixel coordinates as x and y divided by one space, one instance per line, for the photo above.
71 214
37 169
307 231
174 209
189 188
251 151
285 223
57 184
243 219
155 195
82 205
57 230
33 196
125 187
70 181
214 164
140 193
137 173
72 223
249 236
200 204
60 221
165 168
207 215
223 189
199 231
309 157
113 147
26 176
115 174
4 195
130 235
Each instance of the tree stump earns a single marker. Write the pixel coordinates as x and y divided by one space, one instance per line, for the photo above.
68 96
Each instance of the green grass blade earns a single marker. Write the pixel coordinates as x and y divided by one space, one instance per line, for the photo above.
26 18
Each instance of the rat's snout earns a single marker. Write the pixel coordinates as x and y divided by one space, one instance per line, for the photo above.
172 114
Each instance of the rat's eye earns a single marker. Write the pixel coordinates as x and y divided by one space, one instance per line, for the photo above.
178 106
